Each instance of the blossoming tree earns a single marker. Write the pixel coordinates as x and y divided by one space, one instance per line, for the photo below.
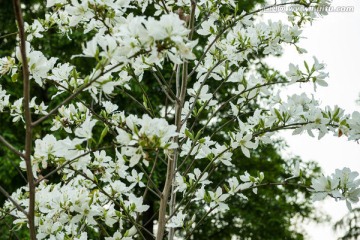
106 158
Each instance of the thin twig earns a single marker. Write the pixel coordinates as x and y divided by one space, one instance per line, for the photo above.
163 88
11 147
9 34
200 221
148 176
17 205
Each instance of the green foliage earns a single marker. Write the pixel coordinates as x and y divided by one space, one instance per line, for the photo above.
271 212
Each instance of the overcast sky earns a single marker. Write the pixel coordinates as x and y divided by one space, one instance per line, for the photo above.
334 40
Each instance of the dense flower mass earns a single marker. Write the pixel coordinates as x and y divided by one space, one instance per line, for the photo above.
107 155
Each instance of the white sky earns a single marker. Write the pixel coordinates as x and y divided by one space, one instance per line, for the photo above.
334 40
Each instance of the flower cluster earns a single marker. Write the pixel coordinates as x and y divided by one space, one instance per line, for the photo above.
145 134
4 99
341 185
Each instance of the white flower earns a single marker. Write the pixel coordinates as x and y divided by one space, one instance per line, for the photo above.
354 123
196 177
91 48
234 185
136 204
340 185
177 220
244 142
294 73
250 181
101 159
169 26
118 188
44 149
34 30
50 3
123 138
61 72
203 94
118 236
185 49
218 199
83 236
16 110
109 106
245 177
85 130
238 76
135 178
222 154
181 185
66 148
234 109
4 99
79 12
324 186
39 109
39 65
208 26
199 194
7 64
135 154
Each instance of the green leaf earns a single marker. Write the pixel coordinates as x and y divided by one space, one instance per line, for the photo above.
198 134
103 134
136 130
226 188
252 179
14 77
189 134
278 114
145 102
307 67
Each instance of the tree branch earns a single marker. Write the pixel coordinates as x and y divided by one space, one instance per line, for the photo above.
11 147
17 205
28 121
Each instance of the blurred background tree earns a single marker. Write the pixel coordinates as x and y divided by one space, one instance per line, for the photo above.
349 225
